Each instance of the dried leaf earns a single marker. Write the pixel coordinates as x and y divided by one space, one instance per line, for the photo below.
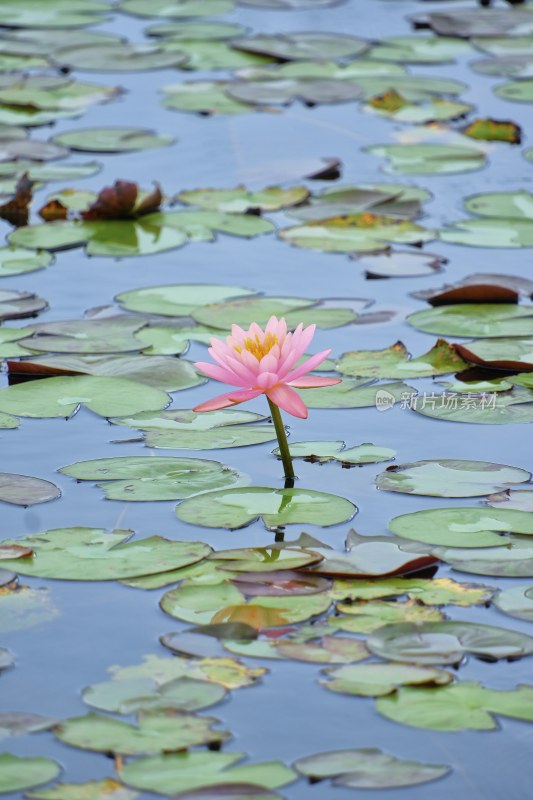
16 210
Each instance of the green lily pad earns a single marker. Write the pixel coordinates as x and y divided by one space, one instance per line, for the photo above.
492 408
368 768
185 772
513 559
303 46
492 232
371 557
167 340
107 789
242 201
15 723
264 560
147 478
23 490
86 336
111 140
185 430
92 554
400 110
322 452
176 9
62 397
450 478
429 159
434 592
379 680
326 650
203 97
54 94
117 57
516 602
156 732
17 774
447 642
16 261
468 22
178 300
295 310
457 707
518 91
18 305
210 54
352 393
167 374
196 30
511 205
510 499
505 66
45 41
396 362
57 14
141 694
363 232
462 526
237 508
7 421
310 91
326 69
475 319
510 354
392 200
22 607
420 50
9 343
365 617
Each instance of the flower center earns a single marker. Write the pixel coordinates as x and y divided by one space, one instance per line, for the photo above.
257 347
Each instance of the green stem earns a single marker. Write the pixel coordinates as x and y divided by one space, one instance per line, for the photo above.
282 439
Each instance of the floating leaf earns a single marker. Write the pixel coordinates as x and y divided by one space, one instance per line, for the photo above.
91 554
450 478
396 362
61 397
489 233
303 46
23 490
365 617
367 768
496 408
467 23
107 789
462 526
514 559
156 732
322 452
241 201
400 264
236 508
111 335
391 104
111 140
56 14
475 319
518 91
295 310
492 130
16 261
185 430
310 91
116 57
177 9
326 650
510 354
352 393
141 694
436 591
429 159
517 602
378 680
146 478
519 501
17 774
196 30
18 305
386 199
457 707
203 97
447 642
184 772
420 50
176 300
15 723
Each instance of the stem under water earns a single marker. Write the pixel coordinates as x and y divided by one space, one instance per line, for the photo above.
282 439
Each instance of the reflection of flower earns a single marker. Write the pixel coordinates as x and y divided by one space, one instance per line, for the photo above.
264 362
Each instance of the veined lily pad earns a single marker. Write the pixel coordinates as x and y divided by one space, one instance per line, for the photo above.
86 336
242 201
396 362
363 232
475 319
112 140
462 526
185 772
176 300
23 490
141 694
146 478
447 642
368 768
457 707
176 9
62 397
429 159
15 261
450 478
92 554
322 452
156 732
303 46
185 430
436 591
236 508
17 774
107 789
378 680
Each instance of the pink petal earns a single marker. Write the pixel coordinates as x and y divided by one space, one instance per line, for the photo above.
287 399
220 374
313 382
307 366
300 342
269 363
267 379
229 399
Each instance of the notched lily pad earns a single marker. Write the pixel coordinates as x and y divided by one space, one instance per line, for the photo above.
107 789
427 591
242 201
112 140
379 680
23 490
18 774
322 452
396 362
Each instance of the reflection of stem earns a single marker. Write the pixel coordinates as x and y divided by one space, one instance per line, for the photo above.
282 439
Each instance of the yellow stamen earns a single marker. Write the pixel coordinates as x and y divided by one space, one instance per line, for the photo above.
257 347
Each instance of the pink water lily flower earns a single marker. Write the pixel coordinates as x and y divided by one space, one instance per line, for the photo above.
264 362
